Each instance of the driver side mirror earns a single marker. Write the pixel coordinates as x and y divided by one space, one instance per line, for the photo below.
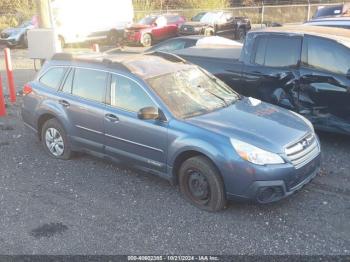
148 113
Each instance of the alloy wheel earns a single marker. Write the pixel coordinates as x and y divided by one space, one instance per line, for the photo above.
54 141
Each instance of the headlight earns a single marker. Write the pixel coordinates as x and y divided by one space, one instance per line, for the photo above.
254 154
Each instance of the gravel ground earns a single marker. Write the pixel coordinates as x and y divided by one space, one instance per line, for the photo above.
91 206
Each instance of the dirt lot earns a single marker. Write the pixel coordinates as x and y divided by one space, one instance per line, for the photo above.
90 206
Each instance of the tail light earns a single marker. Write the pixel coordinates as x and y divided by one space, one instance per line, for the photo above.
27 89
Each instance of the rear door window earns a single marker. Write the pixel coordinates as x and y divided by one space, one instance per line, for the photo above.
327 55
171 46
90 84
278 51
52 77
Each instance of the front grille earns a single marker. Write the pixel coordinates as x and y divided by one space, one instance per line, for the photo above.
187 29
303 151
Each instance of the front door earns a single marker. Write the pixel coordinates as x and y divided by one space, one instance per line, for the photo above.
142 143
272 73
325 83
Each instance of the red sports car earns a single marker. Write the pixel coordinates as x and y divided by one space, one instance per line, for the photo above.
153 28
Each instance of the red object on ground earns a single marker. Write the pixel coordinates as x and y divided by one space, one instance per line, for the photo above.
96 48
27 89
10 79
2 100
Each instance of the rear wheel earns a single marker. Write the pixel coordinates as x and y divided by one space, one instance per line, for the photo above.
24 40
240 34
201 184
61 41
115 38
54 140
147 40
208 32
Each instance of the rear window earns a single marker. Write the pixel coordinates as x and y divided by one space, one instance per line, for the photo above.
329 11
52 77
277 51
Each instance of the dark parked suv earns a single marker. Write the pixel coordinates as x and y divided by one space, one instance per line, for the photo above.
171 118
218 23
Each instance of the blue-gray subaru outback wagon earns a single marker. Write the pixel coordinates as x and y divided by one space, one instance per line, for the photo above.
163 115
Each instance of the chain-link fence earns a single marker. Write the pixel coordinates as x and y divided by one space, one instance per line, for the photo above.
14 12
258 14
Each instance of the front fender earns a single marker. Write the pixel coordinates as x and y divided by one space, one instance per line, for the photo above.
216 149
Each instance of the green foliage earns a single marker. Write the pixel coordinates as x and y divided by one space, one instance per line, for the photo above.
14 12
146 5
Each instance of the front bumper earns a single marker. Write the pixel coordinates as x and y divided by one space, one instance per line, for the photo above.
288 181
9 41
132 37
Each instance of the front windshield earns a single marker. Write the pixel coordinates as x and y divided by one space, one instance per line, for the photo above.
148 20
329 11
211 17
25 24
192 92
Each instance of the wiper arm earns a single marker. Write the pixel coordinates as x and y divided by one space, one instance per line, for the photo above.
217 96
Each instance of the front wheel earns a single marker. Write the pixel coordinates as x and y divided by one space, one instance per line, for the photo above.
54 139
147 40
201 184
24 40
240 34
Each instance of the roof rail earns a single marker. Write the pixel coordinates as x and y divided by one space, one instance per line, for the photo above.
62 56
168 56
115 65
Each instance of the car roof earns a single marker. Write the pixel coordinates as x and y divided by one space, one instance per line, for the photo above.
331 19
143 65
322 31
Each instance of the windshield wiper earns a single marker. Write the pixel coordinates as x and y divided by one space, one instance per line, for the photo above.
217 96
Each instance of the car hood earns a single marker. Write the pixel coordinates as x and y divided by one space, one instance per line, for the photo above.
261 124
13 31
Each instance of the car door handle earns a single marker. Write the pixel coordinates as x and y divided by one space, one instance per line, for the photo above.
111 117
64 103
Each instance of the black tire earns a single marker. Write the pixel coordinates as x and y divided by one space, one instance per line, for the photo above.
24 40
61 41
240 34
114 38
55 124
208 32
201 184
147 40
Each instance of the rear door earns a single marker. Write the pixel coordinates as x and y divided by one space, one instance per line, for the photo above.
272 72
139 142
83 100
324 84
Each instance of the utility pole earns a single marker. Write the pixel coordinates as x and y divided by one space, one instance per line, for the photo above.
43 8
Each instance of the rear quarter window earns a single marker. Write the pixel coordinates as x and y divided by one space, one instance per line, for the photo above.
53 77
